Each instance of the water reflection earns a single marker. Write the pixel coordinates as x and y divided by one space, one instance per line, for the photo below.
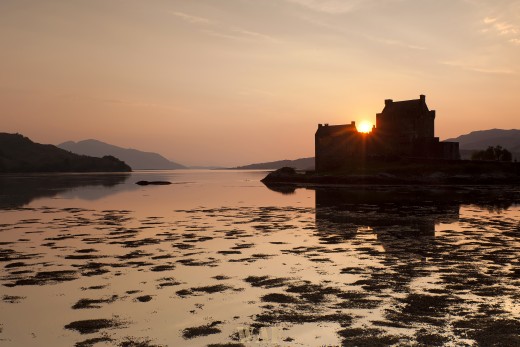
402 218
402 212
403 221
221 251
398 213
20 190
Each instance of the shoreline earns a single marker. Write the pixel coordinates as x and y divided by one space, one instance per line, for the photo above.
427 175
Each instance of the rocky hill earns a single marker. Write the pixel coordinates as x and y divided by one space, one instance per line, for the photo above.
299 164
20 154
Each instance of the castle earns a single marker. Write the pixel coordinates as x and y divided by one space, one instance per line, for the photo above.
404 129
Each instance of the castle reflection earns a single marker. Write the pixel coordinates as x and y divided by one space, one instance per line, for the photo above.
394 214
400 216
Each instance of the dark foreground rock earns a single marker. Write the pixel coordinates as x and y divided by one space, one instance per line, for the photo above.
92 325
156 183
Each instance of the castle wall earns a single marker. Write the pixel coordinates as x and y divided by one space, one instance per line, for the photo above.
406 126
334 145
450 150
403 128
428 125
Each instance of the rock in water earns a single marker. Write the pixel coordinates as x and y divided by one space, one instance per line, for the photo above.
282 173
158 183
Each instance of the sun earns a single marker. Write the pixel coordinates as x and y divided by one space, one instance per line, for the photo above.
364 127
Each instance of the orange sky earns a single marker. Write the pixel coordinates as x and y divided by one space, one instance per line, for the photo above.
232 82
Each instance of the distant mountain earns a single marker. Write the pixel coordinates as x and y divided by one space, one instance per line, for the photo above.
138 160
19 154
482 139
299 164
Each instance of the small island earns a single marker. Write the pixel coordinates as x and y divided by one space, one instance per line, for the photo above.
400 149
18 154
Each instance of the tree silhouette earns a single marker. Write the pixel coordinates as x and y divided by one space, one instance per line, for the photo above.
497 153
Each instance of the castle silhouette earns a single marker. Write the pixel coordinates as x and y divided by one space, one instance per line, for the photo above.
404 129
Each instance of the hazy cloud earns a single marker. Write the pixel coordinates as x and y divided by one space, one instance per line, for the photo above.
338 6
328 6
502 23
253 34
482 69
191 18
223 35
489 20
217 29
256 93
398 43
119 102
238 34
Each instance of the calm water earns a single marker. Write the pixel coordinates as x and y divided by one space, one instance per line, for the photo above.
219 258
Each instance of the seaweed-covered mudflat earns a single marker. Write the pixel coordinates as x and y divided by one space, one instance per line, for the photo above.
218 259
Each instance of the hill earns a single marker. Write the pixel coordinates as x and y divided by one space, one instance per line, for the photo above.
299 164
20 154
482 139
138 160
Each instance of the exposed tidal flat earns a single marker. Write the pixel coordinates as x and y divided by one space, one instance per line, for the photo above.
218 259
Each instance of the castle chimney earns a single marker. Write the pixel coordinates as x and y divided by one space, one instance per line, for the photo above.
388 102
422 97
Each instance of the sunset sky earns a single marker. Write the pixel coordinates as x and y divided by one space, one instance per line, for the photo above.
230 82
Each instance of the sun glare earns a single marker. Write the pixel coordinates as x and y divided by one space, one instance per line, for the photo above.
364 127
